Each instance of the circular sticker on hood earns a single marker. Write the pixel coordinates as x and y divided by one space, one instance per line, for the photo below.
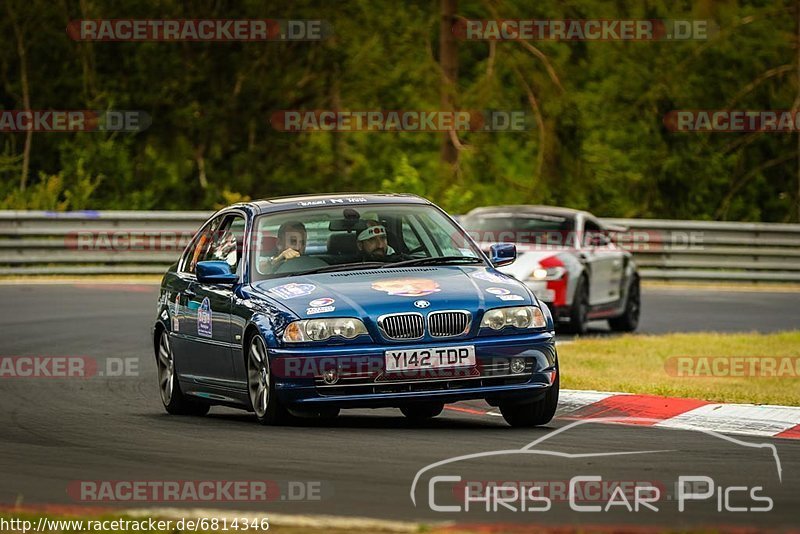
324 301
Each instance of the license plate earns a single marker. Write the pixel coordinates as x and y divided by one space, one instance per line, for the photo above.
433 358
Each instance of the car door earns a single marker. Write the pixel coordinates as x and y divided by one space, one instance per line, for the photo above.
205 319
604 261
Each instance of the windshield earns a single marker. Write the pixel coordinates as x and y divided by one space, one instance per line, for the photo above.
527 228
369 236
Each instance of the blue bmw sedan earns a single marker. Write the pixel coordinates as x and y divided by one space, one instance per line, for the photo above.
303 306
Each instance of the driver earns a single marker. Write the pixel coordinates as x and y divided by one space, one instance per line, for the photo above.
291 243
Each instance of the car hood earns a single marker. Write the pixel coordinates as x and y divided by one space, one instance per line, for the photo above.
372 293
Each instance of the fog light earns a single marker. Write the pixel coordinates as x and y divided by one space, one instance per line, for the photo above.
517 365
330 376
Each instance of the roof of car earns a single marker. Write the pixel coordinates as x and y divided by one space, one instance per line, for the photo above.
334 199
522 209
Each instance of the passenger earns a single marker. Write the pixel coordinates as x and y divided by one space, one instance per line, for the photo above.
373 245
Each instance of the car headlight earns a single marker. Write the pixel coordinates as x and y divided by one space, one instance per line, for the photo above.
549 273
322 329
517 316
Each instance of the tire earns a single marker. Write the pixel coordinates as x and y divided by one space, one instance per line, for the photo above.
578 313
173 399
422 411
533 414
629 320
260 386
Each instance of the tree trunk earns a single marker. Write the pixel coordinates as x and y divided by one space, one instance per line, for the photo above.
26 95
448 60
797 98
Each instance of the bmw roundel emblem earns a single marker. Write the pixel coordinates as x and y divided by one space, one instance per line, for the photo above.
422 303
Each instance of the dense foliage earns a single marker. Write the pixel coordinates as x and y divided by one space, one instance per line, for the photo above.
601 143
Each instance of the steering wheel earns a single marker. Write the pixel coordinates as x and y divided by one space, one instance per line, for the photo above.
302 263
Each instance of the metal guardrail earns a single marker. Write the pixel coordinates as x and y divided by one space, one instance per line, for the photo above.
139 242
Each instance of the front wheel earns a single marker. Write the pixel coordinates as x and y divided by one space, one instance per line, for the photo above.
422 411
629 320
175 402
532 414
261 386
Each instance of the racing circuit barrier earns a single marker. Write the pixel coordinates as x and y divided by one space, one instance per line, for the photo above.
142 242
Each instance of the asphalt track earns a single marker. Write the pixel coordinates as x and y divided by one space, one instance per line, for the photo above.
54 432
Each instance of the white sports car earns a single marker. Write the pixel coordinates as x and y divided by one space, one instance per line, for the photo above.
568 259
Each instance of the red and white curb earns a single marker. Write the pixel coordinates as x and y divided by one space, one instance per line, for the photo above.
672 412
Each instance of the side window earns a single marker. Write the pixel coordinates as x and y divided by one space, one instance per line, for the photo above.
229 245
410 235
592 234
222 240
199 247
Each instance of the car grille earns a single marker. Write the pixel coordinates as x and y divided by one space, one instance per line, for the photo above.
402 326
448 323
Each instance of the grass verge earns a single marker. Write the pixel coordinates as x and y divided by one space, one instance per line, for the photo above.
658 365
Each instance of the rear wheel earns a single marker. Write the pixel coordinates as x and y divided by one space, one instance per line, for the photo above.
578 316
175 402
260 385
422 411
629 320
536 413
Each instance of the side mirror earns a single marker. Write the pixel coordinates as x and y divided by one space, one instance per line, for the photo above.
502 254
215 272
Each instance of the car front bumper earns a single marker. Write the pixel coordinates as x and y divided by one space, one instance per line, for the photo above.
363 381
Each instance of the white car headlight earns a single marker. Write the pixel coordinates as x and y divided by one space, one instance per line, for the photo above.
549 273
322 329
517 316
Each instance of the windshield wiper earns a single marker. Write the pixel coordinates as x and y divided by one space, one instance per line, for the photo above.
440 260
341 267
